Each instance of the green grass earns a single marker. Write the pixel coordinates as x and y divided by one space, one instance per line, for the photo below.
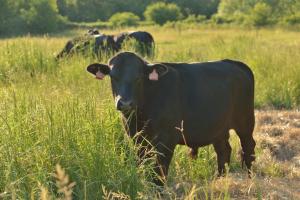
57 113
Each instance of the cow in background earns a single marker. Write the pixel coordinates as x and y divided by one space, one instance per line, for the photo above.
144 40
93 41
97 43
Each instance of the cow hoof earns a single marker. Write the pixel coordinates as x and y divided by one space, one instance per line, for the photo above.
250 174
222 175
193 153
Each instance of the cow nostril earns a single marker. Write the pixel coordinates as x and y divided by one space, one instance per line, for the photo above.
122 105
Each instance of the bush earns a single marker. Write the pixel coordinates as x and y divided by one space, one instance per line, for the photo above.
124 19
34 16
194 19
292 19
217 19
260 14
161 12
10 21
42 17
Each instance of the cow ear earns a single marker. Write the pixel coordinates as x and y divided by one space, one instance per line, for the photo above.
99 70
156 71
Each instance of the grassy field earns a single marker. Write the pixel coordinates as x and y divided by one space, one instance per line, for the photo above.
56 113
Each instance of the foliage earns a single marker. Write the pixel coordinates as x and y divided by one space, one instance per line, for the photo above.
291 19
260 14
194 19
42 16
291 13
10 20
124 19
197 7
161 13
92 10
33 16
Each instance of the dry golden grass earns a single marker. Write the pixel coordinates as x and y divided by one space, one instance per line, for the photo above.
63 184
109 195
278 137
279 132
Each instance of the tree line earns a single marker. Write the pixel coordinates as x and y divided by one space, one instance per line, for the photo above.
42 16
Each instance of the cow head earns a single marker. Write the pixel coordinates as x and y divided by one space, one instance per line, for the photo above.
128 73
93 31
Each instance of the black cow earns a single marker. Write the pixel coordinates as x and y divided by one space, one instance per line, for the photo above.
192 104
104 43
144 40
91 41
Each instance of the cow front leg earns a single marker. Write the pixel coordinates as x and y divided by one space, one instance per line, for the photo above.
145 148
163 158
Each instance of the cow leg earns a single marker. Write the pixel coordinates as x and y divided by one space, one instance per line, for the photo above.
223 150
163 159
193 153
245 134
247 154
66 50
144 148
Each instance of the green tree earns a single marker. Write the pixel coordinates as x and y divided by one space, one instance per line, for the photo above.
124 19
195 19
161 12
42 16
10 20
260 14
135 6
92 10
290 11
197 7
230 8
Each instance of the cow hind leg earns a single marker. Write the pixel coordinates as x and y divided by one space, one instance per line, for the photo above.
247 154
245 134
223 150
193 153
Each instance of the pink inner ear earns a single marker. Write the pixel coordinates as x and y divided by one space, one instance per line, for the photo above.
153 76
99 75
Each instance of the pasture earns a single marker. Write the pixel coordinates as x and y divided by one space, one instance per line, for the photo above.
56 113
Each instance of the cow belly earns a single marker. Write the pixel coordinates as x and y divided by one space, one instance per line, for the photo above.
207 123
204 133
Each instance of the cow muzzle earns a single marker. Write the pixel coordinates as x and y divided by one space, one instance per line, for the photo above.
123 105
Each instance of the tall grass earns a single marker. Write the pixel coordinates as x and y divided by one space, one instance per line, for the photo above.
55 112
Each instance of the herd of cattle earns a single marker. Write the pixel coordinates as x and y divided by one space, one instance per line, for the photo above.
164 104
97 43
